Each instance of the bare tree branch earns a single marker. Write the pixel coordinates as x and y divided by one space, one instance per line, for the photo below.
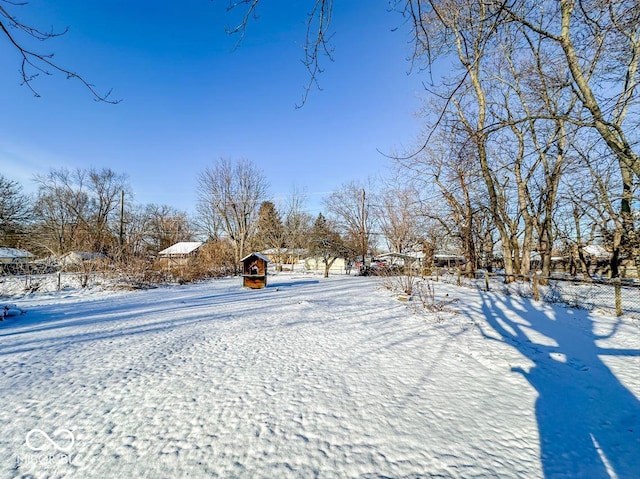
33 63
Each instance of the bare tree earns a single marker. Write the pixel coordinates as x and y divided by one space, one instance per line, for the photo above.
351 209
60 211
164 226
297 223
229 195
448 174
584 57
15 211
79 209
105 188
596 40
398 217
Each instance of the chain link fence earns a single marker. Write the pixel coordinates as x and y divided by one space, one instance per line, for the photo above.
612 297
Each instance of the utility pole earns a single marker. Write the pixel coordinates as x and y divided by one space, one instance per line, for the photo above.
363 228
121 232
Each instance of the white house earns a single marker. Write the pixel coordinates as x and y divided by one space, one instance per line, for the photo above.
14 255
316 263
180 253
13 260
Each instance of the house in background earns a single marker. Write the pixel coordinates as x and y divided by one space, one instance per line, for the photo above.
284 255
180 253
14 260
316 264
447 259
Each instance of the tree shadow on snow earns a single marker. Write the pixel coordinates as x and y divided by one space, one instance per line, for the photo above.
588 421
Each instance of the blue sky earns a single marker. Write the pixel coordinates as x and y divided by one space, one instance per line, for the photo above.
190 97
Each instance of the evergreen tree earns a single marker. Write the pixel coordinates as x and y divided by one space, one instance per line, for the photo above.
269 228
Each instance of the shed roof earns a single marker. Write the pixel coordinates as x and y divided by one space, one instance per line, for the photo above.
14 253
183 247
258 255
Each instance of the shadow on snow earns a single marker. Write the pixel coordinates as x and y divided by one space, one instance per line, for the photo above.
588 421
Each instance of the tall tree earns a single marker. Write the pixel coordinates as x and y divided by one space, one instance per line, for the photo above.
269 229
584 56
297 223
105 188
229 195
79 209
351 208
165 226
398 217
60 211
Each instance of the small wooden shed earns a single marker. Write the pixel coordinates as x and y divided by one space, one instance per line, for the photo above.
254 271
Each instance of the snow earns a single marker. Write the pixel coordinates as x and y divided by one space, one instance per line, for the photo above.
257 255
183 247
597 251
315 377
14 253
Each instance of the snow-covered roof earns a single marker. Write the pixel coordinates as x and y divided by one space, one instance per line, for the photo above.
259 255
183 247
597 251
283 251
447 255
14 253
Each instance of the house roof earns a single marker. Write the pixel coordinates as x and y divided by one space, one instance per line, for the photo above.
284 251
183 247
597 251
258 255
447 255
14 253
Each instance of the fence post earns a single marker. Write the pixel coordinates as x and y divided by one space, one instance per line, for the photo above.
59 274
436 274
486 280
618 296
534 287
459 276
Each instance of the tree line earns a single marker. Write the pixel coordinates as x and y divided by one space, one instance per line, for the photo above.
92 210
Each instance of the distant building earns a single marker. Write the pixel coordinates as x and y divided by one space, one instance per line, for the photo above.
316 263
14 260
284 255
180 253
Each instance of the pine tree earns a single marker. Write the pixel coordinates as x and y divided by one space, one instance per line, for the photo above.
269 229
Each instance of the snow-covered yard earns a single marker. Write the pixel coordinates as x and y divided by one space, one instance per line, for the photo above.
315 377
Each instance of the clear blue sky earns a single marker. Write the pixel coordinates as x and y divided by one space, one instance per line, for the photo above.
189 97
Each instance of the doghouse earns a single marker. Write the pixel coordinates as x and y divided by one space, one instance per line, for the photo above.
254 271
